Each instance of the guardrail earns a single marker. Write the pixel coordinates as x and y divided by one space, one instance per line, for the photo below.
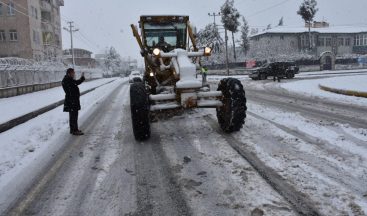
23 72
20 90
24 118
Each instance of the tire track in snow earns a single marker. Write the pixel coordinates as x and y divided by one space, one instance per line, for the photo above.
331 171
299 201
309 110
157 188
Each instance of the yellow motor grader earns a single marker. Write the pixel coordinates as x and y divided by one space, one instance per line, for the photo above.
172 60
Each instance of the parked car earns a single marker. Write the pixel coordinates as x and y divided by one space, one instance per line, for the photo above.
275 69
135 76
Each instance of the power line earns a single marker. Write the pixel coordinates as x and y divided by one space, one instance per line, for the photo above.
269 8
88 40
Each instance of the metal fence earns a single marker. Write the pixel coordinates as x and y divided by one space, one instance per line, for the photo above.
18 72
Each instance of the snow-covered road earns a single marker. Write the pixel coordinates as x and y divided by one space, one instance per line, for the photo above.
295 155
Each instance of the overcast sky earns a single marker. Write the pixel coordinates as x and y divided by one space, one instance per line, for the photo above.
104 23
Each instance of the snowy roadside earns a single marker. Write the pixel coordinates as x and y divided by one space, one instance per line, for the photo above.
14 107
334 72
30 146
311 88
325 160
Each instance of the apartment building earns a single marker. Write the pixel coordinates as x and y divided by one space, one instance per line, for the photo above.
31 29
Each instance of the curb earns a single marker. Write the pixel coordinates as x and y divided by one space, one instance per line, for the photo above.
24 118
344 92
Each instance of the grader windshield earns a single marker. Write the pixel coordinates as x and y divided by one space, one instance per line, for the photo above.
167 34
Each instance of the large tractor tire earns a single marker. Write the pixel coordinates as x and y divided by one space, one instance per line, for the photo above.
139 102
231 116
262 76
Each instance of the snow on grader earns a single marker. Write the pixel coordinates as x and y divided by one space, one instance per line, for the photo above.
172 60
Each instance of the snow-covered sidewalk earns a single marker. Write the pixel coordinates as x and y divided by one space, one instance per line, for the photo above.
14 107
333 72
26 148
311 88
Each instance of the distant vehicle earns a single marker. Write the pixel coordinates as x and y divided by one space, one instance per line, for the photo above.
275 69
135 76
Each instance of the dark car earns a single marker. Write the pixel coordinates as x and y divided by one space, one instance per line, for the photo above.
275 69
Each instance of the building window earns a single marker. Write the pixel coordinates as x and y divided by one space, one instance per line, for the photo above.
340 41
36 37
328 42
360 40
347 42
2 36
305 40
34 12
11 8
1 9
282 37
13 35
321 41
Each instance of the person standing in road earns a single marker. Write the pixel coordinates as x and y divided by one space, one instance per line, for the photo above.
72 102
204 73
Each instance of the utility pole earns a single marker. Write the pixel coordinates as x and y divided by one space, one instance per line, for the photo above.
227 59
214 15
71 30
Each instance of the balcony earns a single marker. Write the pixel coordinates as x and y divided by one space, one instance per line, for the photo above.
46 27
61 2
46 6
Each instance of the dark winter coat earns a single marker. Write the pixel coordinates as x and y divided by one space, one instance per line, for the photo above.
72 93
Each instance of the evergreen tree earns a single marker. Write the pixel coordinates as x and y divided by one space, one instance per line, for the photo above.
307 11
245 42
113 60
210 36
230 16
281 22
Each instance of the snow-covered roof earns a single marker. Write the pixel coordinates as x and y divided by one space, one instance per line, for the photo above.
168 15
325 30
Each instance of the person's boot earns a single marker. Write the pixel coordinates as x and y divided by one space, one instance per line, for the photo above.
78 133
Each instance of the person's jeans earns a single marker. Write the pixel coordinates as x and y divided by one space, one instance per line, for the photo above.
73 121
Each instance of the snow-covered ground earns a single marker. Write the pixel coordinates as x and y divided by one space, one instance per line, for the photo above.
334 72
35 142
326 160
311 87
20 105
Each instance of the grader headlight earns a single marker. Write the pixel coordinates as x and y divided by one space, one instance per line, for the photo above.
207 51
156 52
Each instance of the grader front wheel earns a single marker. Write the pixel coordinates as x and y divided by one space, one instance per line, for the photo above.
139 102
231 116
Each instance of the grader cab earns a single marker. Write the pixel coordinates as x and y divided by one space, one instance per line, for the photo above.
172 59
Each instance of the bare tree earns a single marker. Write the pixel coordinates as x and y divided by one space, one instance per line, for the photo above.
307 11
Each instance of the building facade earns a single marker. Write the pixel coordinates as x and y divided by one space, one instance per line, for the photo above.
292 41
82 57
31 29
